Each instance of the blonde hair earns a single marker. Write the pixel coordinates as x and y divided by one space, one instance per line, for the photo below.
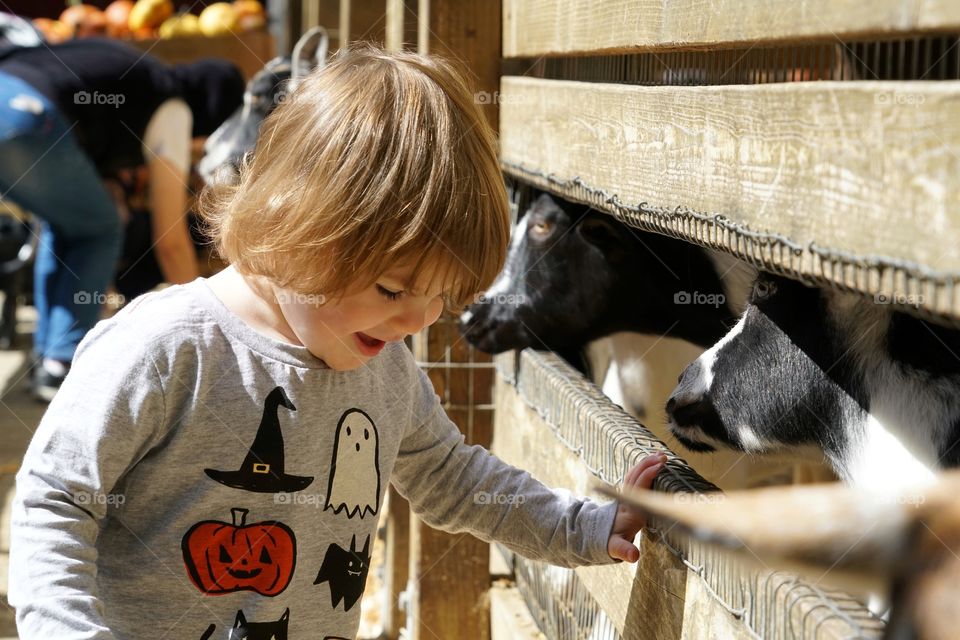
377 160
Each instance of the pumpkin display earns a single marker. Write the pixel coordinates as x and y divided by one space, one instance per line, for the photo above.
223 558
117 14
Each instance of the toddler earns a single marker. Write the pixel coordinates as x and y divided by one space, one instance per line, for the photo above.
216 460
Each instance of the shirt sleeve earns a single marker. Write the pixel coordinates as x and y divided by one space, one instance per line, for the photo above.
105 418
457 487
168 134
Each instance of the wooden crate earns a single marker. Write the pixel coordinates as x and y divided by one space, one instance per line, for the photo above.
250 50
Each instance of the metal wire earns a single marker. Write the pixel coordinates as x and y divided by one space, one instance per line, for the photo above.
865 275
931 57
563 608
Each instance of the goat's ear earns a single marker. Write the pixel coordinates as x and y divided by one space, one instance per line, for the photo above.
833 532
601 232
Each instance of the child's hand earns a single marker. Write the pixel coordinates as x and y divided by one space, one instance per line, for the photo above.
628 522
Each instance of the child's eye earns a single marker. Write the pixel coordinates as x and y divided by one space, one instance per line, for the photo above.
389 295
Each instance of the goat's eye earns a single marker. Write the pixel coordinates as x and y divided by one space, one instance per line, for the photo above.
541 227
764 289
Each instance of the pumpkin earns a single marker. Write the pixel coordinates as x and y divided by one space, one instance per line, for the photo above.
117 14
250 14
224 558
53 30
84 20
218 19
185 24
149 14
144 33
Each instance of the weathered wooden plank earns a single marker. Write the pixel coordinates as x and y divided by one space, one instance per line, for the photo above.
831 175
545 27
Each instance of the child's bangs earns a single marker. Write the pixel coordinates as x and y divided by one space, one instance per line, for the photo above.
459 264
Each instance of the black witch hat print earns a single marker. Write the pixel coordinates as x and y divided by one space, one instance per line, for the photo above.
262 469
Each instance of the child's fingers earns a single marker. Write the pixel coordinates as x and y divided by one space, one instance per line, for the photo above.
622 549
633 476
645 481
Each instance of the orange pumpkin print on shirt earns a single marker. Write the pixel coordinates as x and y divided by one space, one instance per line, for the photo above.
224 558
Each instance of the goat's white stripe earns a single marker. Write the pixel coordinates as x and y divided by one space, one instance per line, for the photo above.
709 357
502 284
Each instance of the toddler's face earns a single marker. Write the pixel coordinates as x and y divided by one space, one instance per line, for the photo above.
348 332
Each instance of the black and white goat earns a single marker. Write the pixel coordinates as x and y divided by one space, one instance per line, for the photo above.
876 389
905 543
226 147
574 275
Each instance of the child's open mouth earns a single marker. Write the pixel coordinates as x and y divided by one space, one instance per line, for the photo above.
368 346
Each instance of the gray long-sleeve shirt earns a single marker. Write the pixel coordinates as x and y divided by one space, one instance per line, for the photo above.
193 475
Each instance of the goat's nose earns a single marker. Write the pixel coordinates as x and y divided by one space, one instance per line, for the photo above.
690 389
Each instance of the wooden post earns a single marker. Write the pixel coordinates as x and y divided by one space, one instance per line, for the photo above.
362 20
325 13
397 563
469 30
449 574
394 37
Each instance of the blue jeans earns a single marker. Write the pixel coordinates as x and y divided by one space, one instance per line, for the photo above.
44 171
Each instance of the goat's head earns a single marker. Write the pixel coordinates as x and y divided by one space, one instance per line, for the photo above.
905 544
871 387
226 147
558 283
779 378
